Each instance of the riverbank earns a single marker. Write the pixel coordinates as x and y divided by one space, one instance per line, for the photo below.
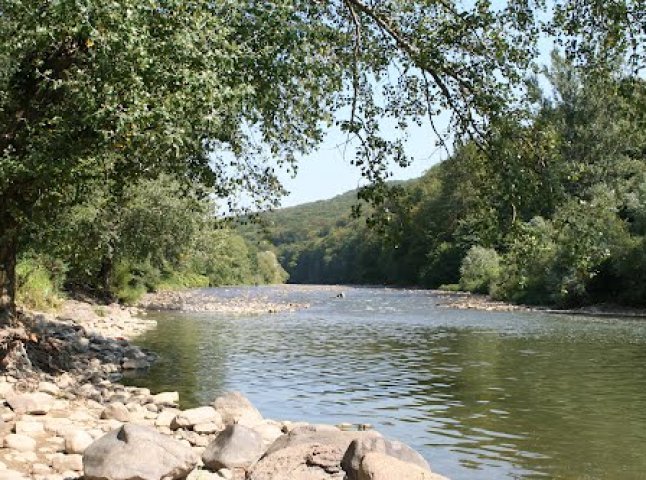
198 301
70 418
474 301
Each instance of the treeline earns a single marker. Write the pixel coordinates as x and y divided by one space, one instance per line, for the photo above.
553 213
156 234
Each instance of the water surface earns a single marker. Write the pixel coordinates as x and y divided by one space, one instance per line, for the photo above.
481 395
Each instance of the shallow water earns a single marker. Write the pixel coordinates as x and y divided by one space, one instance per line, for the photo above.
481 395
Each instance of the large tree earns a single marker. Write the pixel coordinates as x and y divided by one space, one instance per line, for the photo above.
94 91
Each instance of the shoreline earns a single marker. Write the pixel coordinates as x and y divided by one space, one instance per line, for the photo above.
475 301
72 419
196 301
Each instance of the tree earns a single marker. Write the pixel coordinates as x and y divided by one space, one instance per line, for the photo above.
95 92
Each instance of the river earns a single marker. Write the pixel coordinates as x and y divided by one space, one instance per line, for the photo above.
482 395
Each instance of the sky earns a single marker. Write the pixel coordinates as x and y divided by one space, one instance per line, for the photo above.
327 172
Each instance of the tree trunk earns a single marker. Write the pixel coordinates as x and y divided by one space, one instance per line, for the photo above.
8 252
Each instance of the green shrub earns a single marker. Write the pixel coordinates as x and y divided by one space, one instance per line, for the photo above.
129 282
450 287
480 270
443 265
179 280
527 270
37 287
268 268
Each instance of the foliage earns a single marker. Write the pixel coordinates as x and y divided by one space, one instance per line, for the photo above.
98 98
479 270
268 268
38 287
560 198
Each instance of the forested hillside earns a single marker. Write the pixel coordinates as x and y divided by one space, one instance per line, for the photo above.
553 213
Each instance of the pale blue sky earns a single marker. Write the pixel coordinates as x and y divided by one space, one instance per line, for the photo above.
327 171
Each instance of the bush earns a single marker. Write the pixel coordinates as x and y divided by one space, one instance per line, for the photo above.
450 287
443 265
130 282
480 269
37 287
181 279
269 270
526 273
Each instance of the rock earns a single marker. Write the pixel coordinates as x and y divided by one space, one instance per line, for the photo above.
40 469
166 417
11 475
313 428
195 439
380 466
166 398
116 411
24 427
49 388
57 425
207 428
193 416
235 408
22 443
37 403
306 456
360 447
135 364
55 444
6 390
203 475
76 441
235 447
133 452
226 474
62 463
268 431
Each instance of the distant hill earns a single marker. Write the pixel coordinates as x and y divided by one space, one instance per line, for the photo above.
312 239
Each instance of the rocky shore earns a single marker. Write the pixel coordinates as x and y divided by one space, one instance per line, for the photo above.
197 301
474 301
67 417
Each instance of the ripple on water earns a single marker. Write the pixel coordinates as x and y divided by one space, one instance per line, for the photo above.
481 394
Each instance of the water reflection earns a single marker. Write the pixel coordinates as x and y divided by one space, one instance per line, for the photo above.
482 395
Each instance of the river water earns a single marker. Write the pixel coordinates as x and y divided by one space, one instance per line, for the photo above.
482 395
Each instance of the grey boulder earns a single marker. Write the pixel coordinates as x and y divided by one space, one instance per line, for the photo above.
134 452
360 447
313 454
234 447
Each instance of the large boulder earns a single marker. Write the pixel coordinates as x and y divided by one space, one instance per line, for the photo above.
134 452
308 454
235 447
360 447
195 416
380 466
235 408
